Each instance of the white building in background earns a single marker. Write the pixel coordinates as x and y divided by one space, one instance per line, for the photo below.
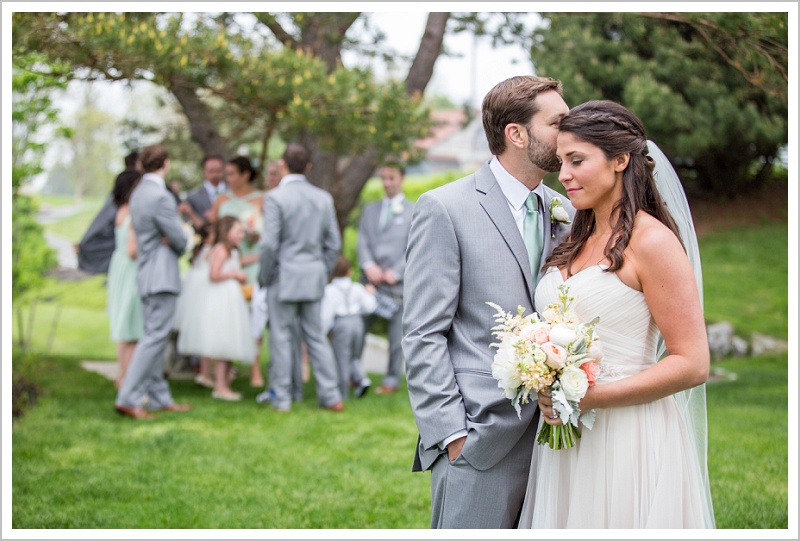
456 143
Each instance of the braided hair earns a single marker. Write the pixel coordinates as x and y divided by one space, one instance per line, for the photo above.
616 131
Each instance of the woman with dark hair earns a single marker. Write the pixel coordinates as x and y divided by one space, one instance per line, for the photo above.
123 304
243 201
643 463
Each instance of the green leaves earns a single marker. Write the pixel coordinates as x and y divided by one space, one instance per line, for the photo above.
256 81
709 87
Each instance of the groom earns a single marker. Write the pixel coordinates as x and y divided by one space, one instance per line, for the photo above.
481 238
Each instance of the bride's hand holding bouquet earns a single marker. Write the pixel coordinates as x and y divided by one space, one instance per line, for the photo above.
555 355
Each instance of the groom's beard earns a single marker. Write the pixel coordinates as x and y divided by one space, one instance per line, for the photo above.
542 155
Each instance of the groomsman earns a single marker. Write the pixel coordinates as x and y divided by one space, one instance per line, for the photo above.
160 241
197 207
382 239
299 248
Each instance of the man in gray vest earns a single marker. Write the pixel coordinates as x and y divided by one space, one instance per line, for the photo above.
160 240
382 239
299 248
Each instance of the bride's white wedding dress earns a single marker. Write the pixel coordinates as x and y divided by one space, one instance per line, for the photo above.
637 467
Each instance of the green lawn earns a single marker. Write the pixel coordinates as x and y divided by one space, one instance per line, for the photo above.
76 464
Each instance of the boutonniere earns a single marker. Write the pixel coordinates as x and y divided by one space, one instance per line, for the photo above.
397 207
558 214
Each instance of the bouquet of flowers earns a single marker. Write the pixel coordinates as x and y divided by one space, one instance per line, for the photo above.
556 353
253 224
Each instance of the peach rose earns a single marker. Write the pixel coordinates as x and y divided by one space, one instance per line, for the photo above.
538 333
556 355
591 370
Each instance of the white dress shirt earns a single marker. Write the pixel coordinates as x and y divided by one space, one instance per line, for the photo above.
344 297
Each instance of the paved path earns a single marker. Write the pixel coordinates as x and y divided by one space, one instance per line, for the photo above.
65 250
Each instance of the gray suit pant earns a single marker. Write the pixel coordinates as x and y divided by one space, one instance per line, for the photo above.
395 336
284 346
145 375
347 339
464 497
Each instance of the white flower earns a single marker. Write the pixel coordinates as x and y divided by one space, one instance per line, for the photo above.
562 335
595 351
557 211
551 313
574 383
504 370
397 207
559 214
556 355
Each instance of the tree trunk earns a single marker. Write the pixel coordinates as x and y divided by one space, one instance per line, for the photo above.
344 178
203 130
421 71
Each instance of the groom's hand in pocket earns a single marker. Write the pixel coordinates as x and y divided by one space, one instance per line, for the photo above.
454 448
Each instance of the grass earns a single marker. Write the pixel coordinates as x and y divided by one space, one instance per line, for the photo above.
76 464
748 443
73 227
746 278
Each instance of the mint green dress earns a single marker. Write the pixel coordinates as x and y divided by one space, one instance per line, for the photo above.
244 208
123 305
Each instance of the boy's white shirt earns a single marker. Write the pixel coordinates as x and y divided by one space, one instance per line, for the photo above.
344 297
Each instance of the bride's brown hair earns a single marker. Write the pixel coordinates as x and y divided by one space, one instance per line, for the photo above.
616 131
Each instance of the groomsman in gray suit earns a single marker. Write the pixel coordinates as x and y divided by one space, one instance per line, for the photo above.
382 239
160 241
466 247
299 248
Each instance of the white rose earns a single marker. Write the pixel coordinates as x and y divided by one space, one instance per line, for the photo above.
574 383
556 355
504 370
397 207
562 335
560 214
595 351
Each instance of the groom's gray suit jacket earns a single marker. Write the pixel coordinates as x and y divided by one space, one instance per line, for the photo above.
464 250
155 216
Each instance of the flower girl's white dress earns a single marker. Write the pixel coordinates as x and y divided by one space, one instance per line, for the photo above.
637 467
215 320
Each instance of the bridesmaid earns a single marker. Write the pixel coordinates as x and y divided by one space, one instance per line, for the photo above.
243 201
123 305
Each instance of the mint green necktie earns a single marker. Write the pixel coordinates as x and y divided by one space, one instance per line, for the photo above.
386 216
532 233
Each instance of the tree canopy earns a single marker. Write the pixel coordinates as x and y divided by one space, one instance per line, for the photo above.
711 88
256 75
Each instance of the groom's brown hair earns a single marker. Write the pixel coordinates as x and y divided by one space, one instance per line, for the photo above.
512 101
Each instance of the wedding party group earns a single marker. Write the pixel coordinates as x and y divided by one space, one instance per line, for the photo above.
258 260
554 343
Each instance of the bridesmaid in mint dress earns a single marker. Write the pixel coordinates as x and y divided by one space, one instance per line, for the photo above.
123 304
243 200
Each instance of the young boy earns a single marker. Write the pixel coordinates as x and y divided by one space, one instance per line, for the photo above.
344 305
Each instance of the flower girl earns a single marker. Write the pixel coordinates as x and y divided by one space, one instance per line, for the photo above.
189 321
227 335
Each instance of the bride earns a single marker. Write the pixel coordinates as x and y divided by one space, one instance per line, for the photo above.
643 464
